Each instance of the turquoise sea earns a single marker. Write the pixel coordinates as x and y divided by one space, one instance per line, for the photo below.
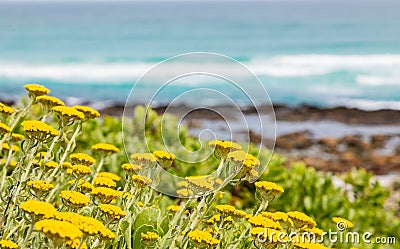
324 53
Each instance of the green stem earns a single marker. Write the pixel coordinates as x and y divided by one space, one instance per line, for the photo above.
27 237
64 156
175 220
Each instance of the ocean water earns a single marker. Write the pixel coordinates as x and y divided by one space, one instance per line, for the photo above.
324 53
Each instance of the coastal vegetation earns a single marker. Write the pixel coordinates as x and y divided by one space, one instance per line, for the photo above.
66 182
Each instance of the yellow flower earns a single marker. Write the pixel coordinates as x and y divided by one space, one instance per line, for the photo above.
268 190
114 212
222 148
68 114
89 112
277 216
131 168
260 221
4 109
104 182
15 138
7 244
74 244
82 158
342 222
105 148
148 237
226 209
12 163
140 204
38 130
83 185
183 184
141 181
38 209
12 148
51 165
40 186
239 214
173 208
143 159
105 195
88 225
247 161
215 218
109 175
49 101
299 219
74 199
184 192
203 238
80 170
66 165
58 231
4 128
199 183
35 90
163 158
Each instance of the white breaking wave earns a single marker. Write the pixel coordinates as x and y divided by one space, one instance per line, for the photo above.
370 105
372 80
277 66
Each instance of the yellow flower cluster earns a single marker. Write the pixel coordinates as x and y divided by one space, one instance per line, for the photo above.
143 159
35 90
199 183
39 209
7 244
104 182
51 165
131 168
17 138
222 148
83 185
80 170
109 175
276 216
58 231
300 219
49 101
173 208
6 109
260 221
38 130
149 237
203 238
141 181
105 195
268 190
226 209
88 225
12 148
105 148
74 199
89 112
40 185
246 161
114 212
68 114
4 128
163 158
82 158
